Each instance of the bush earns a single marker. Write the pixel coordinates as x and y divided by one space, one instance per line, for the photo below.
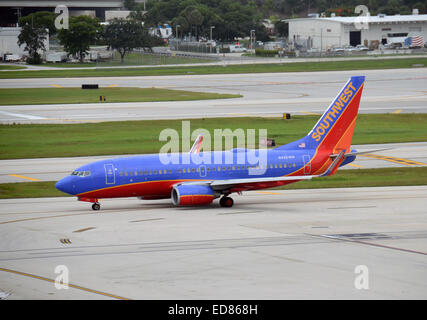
266 53
224 50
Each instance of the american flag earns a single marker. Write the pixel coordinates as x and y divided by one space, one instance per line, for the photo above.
416 41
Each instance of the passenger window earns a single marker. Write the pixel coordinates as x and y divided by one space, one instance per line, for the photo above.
160 171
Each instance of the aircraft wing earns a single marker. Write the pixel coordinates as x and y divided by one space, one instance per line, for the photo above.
227 183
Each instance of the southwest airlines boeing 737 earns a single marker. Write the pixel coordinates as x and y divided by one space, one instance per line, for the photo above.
325 148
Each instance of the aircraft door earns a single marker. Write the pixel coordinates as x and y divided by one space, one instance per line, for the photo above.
202 171
307 164
110 175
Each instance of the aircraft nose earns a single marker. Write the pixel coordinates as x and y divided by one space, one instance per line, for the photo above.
65 185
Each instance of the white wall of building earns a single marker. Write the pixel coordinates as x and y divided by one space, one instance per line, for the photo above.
9 42
324 33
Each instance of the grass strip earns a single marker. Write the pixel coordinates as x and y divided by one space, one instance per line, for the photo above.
140 137
412 176
15 96
222 69
6 67
383 177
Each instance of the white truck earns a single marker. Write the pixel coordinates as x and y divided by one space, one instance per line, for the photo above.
237 48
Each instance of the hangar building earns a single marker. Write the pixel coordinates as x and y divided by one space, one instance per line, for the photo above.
324 33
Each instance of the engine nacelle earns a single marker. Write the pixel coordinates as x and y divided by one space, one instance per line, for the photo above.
192 195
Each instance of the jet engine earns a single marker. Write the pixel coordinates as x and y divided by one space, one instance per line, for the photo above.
192 195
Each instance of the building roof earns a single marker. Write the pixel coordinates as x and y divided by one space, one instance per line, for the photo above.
372 19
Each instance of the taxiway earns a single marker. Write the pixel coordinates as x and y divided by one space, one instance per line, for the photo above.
297 244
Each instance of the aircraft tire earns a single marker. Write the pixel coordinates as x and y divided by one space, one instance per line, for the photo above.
226 202
96 206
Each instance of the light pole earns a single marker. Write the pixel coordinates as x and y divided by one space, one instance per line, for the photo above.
176 30
252 38
212 27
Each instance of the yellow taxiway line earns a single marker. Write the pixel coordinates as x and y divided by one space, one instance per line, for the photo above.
393 159
24 177
69 285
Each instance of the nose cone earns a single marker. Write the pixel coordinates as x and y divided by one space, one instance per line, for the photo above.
66 185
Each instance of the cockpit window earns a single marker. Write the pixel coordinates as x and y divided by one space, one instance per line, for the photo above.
81 173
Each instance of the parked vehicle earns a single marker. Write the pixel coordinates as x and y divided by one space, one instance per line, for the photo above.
237 48
349 49
361 47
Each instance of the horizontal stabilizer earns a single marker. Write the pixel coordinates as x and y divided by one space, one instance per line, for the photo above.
356 153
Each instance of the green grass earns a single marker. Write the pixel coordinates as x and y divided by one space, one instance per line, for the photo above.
29 190
412 176
114 94
5 67
139 137
230 69
343 179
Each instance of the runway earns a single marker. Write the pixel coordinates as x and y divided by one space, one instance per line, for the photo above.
298 244
52 169
269 94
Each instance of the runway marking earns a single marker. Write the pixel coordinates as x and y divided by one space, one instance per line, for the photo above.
393 159
268 192
70 285
65 241
355 165
153 219
338 237
112 86
56 85
239 114
310 113
85 229
20 115
397 111
39 218
23 177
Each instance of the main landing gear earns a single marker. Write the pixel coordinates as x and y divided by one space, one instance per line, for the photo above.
96 206
226 202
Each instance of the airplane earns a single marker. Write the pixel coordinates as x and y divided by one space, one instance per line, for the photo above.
319 154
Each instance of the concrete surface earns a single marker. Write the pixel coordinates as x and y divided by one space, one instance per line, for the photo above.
299 244
269 94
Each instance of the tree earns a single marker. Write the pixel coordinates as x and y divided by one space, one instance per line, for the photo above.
125 35
34 38
82 32
40 19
